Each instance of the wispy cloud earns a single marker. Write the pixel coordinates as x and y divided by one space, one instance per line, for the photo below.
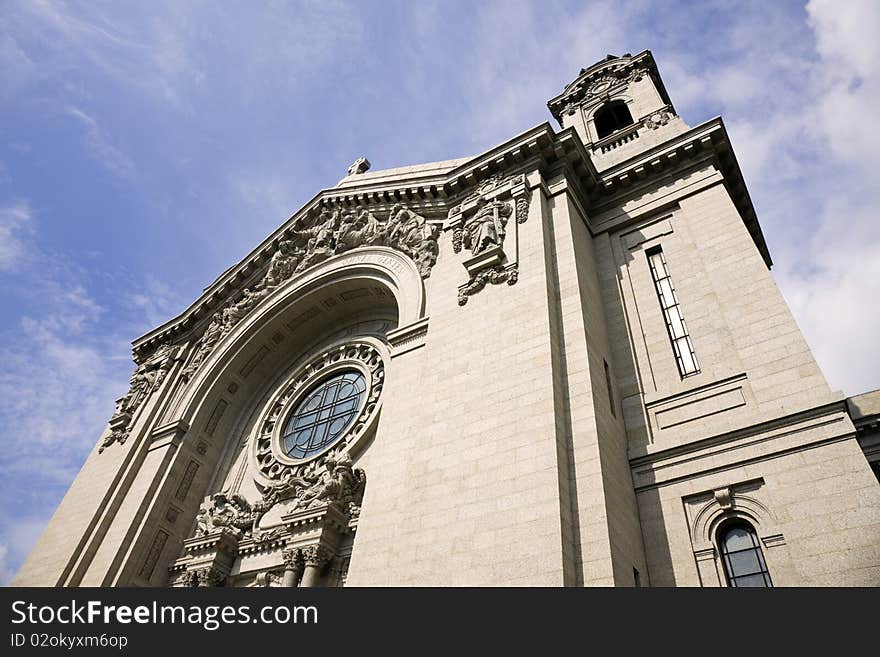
99 144
63 362
15 226
211 122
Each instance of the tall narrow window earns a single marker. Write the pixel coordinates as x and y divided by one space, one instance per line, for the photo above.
743 559
681 341
608 385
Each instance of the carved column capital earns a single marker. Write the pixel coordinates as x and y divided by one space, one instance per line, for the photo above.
316 555
210 576
293 558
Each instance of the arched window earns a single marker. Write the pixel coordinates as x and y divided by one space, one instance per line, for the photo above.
612 117
740 549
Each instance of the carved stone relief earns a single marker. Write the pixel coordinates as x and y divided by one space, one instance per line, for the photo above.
487 227
334 482
592 90
480 223
496 275
326 498
657 119
147 377
313 240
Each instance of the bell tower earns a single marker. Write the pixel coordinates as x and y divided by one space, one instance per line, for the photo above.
618 107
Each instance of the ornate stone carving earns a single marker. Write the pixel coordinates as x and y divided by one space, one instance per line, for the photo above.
522 209
359 353
335 482
310 242
316 556
657 119
210 576
232 512
457 239
293 558
412 234
267 578
594 89
486 228
496 275
480 223
147 377
187 578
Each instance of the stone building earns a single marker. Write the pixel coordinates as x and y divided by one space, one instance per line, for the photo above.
561 362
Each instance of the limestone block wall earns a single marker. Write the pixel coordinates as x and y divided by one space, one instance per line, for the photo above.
758 425
464 476
607 536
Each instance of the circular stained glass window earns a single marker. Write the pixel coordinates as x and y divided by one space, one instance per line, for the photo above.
323 415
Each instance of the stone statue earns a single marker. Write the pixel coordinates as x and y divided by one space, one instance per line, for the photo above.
283 263
487 227
413 235
338 483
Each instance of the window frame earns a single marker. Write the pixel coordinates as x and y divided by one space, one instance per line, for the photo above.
731 577
682 345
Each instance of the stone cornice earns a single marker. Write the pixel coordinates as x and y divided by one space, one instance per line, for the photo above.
539 148
533 148
708 140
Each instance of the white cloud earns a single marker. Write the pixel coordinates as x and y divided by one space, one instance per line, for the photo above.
15 542
61 368
99 144
15 226
846 35
157 302
834 289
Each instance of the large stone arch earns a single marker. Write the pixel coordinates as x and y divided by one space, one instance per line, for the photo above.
380 265
367 293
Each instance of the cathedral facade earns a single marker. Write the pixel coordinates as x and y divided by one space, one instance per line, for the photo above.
563 362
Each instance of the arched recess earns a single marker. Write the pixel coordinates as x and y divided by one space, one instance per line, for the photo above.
746 501
379 266
362 294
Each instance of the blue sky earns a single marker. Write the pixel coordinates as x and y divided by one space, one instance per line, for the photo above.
145 147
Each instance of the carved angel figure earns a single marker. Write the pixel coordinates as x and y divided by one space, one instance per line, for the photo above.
339 483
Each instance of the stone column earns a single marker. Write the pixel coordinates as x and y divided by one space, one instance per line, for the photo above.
315 557
294 564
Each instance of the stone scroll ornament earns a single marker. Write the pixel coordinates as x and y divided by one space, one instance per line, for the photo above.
496 275
147 377
315 239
